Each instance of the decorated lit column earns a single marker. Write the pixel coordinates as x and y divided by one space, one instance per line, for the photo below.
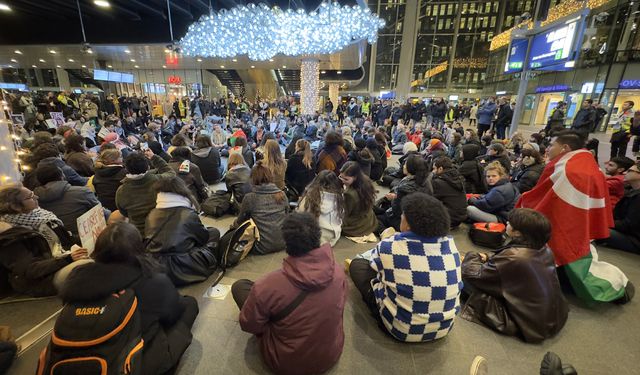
309 86
333 94
9 172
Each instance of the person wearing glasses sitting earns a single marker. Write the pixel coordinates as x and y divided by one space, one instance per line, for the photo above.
626 215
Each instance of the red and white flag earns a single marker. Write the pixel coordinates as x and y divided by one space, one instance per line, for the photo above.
572 193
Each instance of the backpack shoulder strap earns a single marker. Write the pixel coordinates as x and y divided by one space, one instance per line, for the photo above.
290 308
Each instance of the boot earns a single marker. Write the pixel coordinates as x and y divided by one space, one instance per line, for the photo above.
552 365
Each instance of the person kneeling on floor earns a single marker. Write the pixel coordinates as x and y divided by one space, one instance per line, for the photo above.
516 290
412 282
296 312
166 317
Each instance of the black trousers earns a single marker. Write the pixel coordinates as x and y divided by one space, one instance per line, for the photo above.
619 148
178 337
361 273
240 291
483 128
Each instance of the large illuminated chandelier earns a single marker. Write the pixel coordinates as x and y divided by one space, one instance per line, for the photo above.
261 32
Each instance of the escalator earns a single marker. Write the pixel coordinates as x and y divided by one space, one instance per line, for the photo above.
231 80
85 77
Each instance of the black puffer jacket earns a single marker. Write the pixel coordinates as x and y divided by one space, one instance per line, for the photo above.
106 182
192 178
379 161
298 176
525 178
238 181
208 160
407 185
26 262
177 238
448 187
503 159
471 170
165 329
499 201
365 161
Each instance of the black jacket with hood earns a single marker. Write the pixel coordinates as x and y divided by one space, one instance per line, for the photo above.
526 177
208 160
471 170
106 182
448 187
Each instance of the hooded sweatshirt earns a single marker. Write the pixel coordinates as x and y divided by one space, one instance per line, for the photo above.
471 170
448 187
106 182
66 201
310 339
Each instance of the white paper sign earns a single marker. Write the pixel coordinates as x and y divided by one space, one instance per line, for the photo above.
103 132
90 225
57 117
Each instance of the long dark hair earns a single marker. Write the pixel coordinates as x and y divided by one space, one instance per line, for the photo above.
175 185
326 181
417 167
121 243
362 184
261 175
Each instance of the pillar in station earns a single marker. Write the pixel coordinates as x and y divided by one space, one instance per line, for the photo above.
333 94
309 86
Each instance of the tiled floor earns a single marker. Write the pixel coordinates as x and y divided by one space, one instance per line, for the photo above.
600 339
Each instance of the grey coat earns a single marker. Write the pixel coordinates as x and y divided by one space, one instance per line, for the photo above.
66 201
262 206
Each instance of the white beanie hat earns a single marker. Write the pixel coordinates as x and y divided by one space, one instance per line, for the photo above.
408 147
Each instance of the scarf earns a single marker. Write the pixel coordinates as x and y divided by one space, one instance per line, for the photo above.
170 200
135 176
40 220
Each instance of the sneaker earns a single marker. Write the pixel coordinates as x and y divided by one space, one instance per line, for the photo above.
479 366
629 292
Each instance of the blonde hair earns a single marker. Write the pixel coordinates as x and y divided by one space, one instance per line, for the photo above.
235 158
305 147
496 166
272 156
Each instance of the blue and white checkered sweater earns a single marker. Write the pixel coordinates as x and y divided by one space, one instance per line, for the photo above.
418 285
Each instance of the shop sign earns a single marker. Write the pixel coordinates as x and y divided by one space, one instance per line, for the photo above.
630 84
175 80
587 88
553 88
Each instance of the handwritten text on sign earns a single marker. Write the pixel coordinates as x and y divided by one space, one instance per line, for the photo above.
90 225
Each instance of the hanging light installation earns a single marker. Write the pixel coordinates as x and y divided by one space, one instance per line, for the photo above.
261 32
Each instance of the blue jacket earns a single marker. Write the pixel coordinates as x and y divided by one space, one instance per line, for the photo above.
486 113
500 199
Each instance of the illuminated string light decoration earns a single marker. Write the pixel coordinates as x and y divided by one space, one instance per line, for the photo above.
309 86
437 70
9 161
555 13
261 32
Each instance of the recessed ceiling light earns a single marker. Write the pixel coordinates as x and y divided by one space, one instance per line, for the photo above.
41 60
102 3
58 66
71 60
127 51
234 60
136 66
133 60
253 66
51 51
14 60
5 7
18 52
339 72
323 72
90 51
199 59
84 66
221 66
164 67
284 67
33 66
109 66
271 60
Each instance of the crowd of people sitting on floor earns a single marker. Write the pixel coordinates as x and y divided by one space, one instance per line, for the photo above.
305 183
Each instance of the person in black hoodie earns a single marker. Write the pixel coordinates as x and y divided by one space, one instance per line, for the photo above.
207 158
377 168
189 172
300 171
448 187
528 170
166 317
471 170
108 177
496 152
363 156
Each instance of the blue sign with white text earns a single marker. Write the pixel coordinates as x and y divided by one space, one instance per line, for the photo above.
517 54
554 88
633 84
554 46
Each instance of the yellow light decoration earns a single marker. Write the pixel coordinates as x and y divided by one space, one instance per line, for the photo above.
437 70
559 11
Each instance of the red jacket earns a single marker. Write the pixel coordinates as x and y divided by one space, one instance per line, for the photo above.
310 339
616 189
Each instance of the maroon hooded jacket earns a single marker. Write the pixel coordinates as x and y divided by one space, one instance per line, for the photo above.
310 339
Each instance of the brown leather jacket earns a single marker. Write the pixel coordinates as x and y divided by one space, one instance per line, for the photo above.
516 292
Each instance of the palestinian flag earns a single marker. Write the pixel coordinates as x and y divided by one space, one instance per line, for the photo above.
594 280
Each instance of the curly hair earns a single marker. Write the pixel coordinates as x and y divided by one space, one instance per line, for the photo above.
325 182
426 215
301 233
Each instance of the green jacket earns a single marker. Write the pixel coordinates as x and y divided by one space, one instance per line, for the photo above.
357 222
135 197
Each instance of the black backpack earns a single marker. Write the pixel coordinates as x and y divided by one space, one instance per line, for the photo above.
217 204
101 337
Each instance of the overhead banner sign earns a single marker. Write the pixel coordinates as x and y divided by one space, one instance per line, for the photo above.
554 46
517 54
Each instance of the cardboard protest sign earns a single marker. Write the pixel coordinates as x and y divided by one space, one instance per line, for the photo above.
90 225
57 117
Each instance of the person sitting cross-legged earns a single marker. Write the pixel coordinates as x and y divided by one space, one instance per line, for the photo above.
412 282
519 280
296 312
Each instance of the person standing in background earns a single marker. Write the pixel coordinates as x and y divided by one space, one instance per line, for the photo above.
622 130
